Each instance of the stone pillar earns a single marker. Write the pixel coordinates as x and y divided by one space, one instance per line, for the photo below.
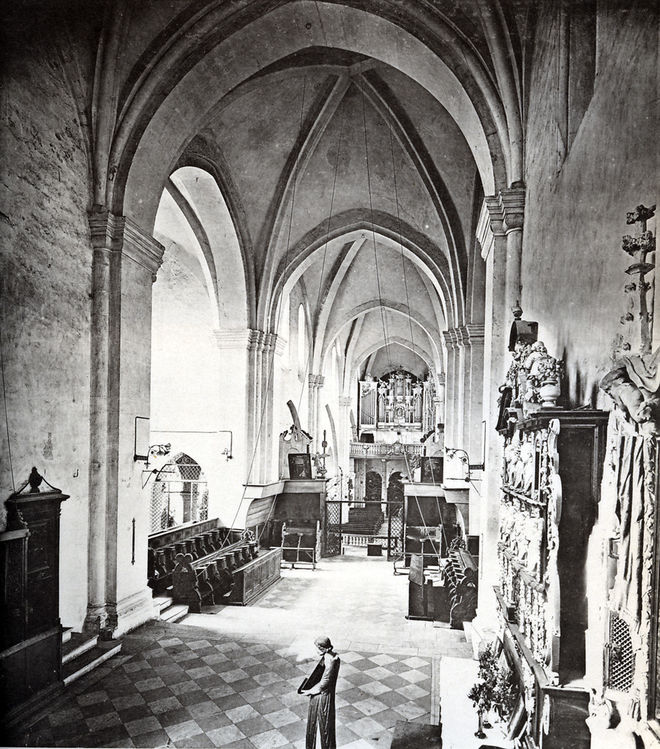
269 468
492 238
474 334
315 384
439 401
125 263
236 403
512 211
345 433
451 394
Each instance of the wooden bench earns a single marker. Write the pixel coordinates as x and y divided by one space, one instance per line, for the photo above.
205 564
461 577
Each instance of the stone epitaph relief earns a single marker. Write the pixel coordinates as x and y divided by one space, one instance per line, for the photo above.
530 511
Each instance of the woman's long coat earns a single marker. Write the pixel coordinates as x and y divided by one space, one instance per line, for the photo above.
322 706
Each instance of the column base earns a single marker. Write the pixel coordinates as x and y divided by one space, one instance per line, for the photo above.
112 620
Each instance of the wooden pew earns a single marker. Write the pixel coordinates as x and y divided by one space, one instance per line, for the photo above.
461 578
205 564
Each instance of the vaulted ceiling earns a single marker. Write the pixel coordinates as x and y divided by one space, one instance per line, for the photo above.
341 149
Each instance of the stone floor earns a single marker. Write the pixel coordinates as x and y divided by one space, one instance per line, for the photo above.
228 678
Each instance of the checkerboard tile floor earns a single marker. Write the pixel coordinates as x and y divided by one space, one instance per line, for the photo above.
229 679
172 688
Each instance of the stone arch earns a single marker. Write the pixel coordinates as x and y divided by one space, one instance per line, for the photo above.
152 120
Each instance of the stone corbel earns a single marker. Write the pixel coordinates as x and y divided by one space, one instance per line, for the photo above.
122 235
512 207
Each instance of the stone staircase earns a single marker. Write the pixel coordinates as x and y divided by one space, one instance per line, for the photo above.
169 611
82 653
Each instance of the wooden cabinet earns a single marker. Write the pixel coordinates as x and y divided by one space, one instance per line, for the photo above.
30 660
550 491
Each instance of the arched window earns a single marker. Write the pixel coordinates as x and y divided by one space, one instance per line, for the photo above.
179 494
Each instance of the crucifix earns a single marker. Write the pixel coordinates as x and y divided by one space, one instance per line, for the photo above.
640 247
319 459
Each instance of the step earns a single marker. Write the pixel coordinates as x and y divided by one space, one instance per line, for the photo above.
76 645
174 613
89 660
162 603
66 634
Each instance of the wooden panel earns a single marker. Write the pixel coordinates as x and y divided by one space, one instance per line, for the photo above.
251 580
259 512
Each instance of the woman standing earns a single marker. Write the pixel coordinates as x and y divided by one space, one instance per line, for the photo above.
320 688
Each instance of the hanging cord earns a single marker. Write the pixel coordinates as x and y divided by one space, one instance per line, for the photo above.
421 514
398 219
373 233
437 503
4 397
309 358
308 363
271 365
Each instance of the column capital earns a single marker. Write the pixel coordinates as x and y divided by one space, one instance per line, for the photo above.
494 218
450 337
121 234
512 203
316 380
240 338
475 332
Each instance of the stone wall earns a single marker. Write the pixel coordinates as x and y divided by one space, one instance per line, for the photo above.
573 267
46 282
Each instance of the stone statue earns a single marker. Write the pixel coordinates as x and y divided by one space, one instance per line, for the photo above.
634 385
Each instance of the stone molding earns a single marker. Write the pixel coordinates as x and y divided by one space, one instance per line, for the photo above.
495 215
476 332
316 380
232 338
485 231
120 234
280 345
345 401
449 337
464 335
512 203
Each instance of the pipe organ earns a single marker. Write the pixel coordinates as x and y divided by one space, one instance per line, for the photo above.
398 401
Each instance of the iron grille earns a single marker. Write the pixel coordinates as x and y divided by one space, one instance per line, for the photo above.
179 494
333 528
358 524
620 655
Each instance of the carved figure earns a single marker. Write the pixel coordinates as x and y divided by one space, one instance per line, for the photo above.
634 385
184 583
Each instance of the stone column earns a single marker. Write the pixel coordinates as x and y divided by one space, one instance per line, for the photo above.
474 333
451 394
125 262
439 401
315 384
512 211
345 433
236 414
268 467
492 238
